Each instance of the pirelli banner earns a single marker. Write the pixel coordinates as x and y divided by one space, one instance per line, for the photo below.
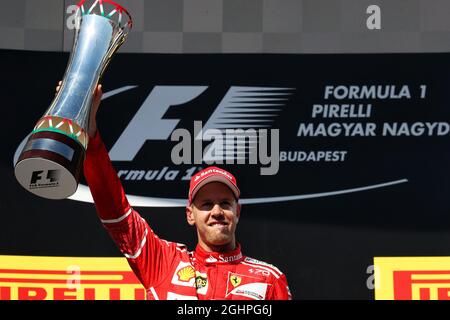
340 159
68 278
412 278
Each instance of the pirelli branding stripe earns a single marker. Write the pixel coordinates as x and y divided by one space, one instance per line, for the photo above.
68 278
412 278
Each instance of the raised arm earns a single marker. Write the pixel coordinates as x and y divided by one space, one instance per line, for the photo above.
148 256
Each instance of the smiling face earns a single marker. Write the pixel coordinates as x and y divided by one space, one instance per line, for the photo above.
215 213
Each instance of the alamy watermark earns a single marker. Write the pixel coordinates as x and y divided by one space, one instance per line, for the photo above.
228 146
74 277
373 281
74 17
373 21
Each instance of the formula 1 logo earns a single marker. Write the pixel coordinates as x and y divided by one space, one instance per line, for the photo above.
44 179
241 130
238 129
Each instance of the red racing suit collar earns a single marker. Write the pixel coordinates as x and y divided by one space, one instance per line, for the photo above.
230 257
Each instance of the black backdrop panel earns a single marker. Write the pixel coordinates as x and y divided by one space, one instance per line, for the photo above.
387 197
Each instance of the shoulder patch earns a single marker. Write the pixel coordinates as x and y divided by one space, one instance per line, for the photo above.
262 263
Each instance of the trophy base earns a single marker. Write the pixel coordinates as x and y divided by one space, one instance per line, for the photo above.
50 165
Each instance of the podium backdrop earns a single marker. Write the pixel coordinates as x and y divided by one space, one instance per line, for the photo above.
364 149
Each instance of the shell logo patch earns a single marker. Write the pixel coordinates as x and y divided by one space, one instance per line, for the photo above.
186 274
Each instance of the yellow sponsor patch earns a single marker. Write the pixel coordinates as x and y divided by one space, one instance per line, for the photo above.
235 280
186 274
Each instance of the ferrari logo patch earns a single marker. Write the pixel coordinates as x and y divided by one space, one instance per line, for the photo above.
235 280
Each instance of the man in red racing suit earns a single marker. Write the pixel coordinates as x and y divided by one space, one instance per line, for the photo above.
216 269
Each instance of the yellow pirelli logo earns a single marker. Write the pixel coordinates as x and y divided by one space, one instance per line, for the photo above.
68 278
412 278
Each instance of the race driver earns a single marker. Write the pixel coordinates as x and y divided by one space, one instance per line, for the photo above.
216 269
